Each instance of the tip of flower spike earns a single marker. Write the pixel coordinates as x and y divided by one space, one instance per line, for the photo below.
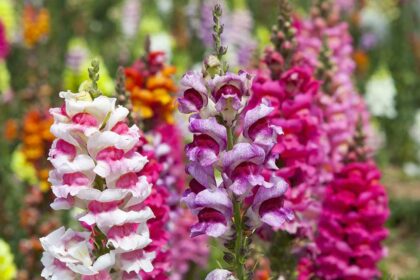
123 96
219 50
327 10
94 78
283 34
325 68
358 151
120 86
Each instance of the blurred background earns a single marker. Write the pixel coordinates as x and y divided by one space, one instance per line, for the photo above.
45 47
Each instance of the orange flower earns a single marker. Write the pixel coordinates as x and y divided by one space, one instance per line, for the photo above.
10 129
36 25
36 140
152 95
362 61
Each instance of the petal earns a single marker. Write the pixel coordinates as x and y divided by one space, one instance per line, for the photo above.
209 127
242 152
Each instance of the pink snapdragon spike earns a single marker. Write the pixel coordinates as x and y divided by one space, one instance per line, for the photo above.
326 44
237 144
97 168
184 249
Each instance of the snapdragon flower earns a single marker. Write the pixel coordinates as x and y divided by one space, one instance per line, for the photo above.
97 168
235 143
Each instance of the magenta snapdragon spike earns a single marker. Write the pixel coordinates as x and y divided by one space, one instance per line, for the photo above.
297 152
235 143
158 203
4 45
292 91
97 168
352 224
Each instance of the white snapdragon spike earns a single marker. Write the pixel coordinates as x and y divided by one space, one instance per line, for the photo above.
380 94
96 168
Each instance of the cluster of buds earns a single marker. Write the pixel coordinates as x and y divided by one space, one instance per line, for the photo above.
235 144
238 33
98 169
36 25
283 38
149 81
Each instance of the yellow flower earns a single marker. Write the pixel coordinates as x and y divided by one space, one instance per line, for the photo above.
7 16
7 266
162 96
22 168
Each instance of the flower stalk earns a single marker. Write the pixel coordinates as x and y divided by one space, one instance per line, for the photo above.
232 208
239 242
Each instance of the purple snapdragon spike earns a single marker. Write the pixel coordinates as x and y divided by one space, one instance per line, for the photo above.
229 191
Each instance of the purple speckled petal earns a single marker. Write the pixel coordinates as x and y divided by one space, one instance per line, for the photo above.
210 222
194 93
242 152
258 128
243 185
204 175
227 90
268 204
210 127
252 116
204 150
241 81
220 274
217 199
276 217
233 102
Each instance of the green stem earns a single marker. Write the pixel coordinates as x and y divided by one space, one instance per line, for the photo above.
239 242
229 131
238 222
